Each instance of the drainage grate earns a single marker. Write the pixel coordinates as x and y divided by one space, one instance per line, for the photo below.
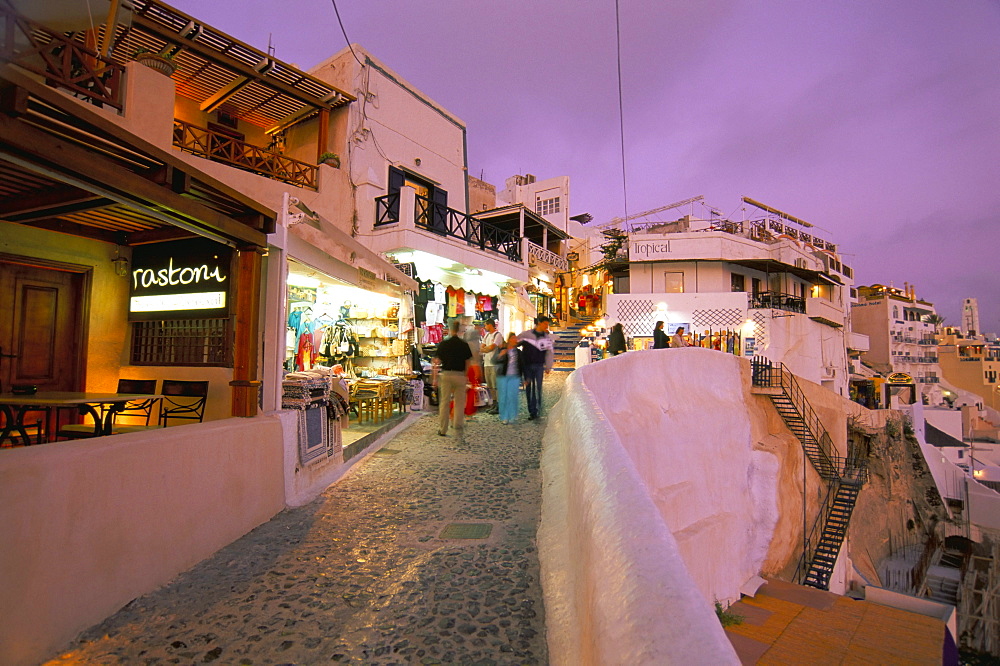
466 531
387 452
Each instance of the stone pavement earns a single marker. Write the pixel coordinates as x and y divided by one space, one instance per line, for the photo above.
367 573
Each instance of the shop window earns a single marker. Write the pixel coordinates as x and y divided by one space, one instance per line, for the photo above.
192 342
673 282
738 282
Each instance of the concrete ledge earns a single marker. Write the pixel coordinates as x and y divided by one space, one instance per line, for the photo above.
89 525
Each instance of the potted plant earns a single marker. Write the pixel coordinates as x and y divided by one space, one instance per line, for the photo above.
161 62
333 159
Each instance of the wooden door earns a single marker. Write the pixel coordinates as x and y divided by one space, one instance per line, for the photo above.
41 339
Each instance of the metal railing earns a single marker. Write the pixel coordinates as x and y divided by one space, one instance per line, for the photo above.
220 147
64 62
777 301
439 219
775 375
547 256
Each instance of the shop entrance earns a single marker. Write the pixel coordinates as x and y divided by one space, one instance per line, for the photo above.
41 327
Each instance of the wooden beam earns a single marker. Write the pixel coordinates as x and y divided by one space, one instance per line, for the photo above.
44 200
148 236
82 230
205 52
224 93
324 134
246 345
54 157
101 124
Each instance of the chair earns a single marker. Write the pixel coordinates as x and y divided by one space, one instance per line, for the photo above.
367 397
183 400
134 408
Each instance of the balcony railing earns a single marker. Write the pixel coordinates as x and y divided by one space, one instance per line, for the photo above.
63 62
222 148
450 223
547 256
777 301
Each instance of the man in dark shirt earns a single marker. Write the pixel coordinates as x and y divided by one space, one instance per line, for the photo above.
453 357
537 351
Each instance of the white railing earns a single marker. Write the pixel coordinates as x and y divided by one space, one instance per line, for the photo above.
546 256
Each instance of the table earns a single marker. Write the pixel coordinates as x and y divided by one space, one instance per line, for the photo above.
83 401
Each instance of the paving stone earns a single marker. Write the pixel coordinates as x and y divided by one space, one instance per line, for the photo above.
360 575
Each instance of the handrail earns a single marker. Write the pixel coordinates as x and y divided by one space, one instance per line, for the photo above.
778 301
791 387
439 219
63 61
551 258
220 147
812 541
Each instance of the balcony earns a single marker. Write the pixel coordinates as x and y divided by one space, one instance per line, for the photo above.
824 312
450 223
222 148
547 257
62 61
777 301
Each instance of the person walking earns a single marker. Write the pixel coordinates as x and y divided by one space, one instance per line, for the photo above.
491 346
474 373
616 340
509 371
660 339
537 348
678 338
454 358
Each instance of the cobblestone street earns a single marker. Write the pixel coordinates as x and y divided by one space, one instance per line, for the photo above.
365 574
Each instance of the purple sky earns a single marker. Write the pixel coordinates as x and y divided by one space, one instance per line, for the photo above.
879 122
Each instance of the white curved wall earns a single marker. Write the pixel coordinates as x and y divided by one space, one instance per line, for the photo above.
655 504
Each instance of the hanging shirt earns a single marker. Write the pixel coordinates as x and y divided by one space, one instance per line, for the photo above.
484 304
440 293
470 302
460 301
452 302
426 291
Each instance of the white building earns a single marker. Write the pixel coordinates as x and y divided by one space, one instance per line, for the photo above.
756 287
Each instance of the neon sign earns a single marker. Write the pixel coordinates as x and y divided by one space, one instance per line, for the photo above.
180 279
174 276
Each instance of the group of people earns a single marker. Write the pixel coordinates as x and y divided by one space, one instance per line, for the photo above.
507 364
617 344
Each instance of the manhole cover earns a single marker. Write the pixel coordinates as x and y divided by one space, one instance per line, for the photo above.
466 531
387 452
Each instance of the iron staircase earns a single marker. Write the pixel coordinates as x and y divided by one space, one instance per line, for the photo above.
844 476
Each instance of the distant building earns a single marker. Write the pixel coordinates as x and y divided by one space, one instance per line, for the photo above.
900 329
970 317
972 364
755 287
548 198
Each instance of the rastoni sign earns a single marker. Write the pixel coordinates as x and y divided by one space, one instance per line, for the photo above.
179 280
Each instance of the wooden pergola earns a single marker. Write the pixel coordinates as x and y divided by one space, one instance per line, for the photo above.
69 169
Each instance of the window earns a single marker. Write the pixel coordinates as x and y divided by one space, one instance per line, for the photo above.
755 285
547 206
738 282
673 283
181 342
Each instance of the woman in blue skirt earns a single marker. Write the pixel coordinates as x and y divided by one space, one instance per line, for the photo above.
509 380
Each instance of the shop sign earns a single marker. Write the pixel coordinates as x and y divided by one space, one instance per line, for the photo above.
572 256
180 279
899 378
368 281
672 327
749 346
642 250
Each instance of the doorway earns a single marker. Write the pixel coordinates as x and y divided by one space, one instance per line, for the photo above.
41 324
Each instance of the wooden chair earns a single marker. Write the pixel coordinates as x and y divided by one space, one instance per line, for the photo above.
136 408
183 400
367 398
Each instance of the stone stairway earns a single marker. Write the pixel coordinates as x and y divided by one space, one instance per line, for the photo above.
566 340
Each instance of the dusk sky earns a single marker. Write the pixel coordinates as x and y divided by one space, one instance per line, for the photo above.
878 122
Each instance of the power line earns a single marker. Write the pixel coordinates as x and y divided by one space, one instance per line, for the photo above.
346 38
621 112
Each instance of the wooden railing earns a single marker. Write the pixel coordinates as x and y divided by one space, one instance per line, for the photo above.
64 62
220 147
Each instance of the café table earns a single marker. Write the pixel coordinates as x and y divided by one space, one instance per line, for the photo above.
15 406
